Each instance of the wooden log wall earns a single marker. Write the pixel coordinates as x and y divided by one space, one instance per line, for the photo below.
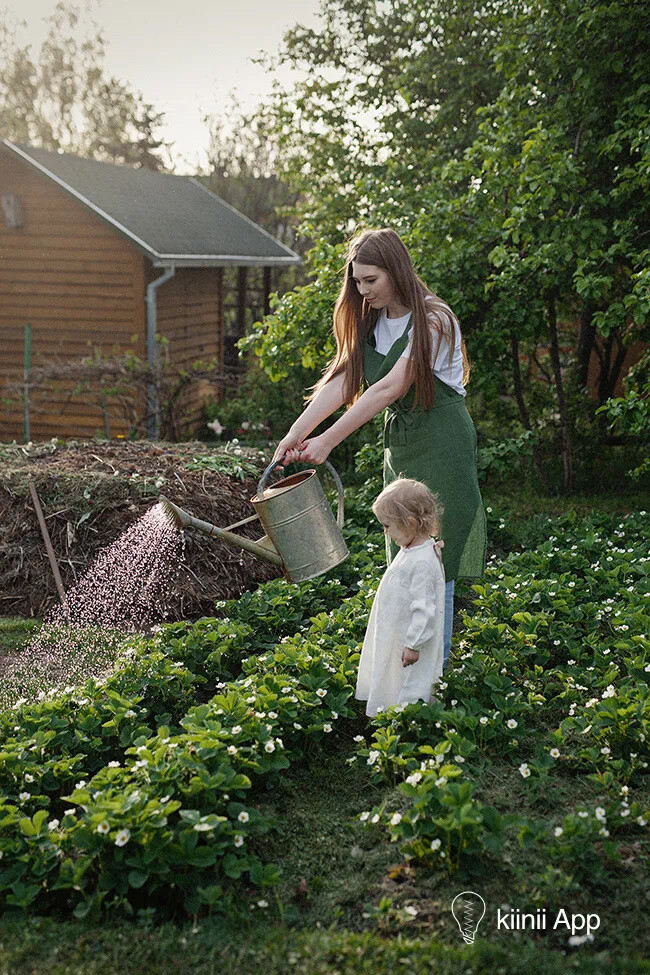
80 284
190 319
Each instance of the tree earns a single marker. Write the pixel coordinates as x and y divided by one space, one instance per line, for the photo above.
62 98
509 146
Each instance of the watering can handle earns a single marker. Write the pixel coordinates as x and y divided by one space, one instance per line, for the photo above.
337 480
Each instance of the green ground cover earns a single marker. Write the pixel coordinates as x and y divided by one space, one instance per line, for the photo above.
222 799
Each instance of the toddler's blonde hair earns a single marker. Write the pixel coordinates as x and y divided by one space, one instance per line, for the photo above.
407 499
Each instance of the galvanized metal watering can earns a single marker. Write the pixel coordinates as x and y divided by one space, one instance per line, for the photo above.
302 535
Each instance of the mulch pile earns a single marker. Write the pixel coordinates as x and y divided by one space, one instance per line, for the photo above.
91 492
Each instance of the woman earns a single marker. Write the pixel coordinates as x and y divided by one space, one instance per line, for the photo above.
398 339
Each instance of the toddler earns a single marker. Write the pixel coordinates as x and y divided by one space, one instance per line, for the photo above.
402 655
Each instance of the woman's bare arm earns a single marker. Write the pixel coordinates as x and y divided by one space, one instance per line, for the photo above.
375 399
327 401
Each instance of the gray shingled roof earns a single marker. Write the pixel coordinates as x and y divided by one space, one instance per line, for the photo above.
173 219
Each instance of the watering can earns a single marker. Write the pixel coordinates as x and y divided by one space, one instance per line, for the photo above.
302 535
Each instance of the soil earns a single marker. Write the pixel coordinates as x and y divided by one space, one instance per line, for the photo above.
90 492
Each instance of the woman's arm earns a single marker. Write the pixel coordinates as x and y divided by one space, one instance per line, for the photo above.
375 399
328 399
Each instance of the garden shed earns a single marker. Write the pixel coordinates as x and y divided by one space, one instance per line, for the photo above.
96 258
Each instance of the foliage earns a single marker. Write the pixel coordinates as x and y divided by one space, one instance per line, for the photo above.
631 413
62 98
134 793
488 139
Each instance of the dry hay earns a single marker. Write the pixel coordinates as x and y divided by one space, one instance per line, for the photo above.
91 492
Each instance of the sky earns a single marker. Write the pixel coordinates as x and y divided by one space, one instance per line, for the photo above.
185 56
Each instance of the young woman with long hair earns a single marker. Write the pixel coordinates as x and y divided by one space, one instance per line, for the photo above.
399 348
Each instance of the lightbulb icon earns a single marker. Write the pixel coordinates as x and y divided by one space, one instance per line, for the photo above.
468 909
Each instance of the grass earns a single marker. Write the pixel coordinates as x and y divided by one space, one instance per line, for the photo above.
348 916
16 632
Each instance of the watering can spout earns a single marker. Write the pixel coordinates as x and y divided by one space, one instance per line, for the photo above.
302 536
263 548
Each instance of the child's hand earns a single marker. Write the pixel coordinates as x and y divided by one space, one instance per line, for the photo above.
409 657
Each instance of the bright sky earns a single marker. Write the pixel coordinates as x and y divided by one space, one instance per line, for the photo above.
185 57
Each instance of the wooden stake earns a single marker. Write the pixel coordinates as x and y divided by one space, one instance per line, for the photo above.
48 545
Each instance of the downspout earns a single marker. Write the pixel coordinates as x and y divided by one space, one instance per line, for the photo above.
153 406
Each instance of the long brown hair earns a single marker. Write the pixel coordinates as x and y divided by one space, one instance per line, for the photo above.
354 318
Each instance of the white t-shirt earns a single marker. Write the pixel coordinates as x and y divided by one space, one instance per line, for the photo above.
388 330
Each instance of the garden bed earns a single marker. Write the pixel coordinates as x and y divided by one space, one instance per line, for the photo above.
93 491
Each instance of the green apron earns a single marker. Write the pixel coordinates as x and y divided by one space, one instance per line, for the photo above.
438 447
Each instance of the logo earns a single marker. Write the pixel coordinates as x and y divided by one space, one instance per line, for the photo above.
468 909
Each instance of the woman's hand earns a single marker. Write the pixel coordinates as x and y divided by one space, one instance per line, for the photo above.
288 450
315 450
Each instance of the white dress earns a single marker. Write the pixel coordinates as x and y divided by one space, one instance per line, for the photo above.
408 611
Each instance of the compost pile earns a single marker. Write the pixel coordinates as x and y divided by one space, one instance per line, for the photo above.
91 492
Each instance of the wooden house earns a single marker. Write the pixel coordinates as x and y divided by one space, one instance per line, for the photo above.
96 258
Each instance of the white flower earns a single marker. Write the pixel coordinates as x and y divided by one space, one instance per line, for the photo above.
103 827
395 819
605 750
273 714
262 903
372 757
80 784
359 738
363 816
202 827
600 814
321 692
525 771
484 720
24 796
239 840
28 777
375 818
113 764
53 823
558 831
554 753
442 780
435 844
129 714
583 815
459 759
641 820
579 939
511 723
243 816
236 729
414 778
297 725
327 727
232 750
122 837
269 746
603 831
69 812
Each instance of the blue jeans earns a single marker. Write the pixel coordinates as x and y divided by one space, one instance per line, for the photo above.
449 618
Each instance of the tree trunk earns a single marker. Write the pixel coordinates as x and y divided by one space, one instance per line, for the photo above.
567 452
586 338
523 411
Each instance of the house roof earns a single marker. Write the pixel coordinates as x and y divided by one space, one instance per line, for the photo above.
173 219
